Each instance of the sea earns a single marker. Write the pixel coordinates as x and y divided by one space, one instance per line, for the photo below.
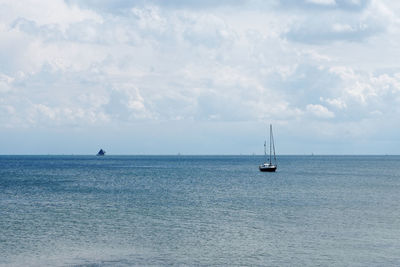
199 211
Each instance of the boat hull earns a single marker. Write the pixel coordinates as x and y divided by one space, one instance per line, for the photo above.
267 169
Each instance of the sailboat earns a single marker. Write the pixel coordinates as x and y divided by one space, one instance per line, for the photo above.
268 166
101 152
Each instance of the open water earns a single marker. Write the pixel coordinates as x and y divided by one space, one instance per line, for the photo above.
199 210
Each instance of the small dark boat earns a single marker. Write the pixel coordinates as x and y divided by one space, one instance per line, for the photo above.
101 152
268 166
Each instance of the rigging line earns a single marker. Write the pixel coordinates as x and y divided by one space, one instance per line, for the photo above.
273 144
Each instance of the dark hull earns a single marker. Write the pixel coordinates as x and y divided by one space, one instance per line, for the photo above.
267 169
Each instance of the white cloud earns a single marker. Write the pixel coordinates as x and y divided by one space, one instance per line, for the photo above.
335 102
337 27
319 111
5 82
322 2
326 5
368 89
47 12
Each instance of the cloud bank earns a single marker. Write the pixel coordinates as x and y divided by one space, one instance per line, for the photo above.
321 68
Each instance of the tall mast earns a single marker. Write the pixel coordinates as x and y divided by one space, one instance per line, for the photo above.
270 143
273 144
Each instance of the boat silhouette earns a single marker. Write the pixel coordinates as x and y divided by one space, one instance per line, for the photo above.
268 166
101 153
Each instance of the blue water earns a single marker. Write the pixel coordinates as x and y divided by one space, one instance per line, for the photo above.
199 210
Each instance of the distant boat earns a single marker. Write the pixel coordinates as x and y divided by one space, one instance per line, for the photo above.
101 153
268 166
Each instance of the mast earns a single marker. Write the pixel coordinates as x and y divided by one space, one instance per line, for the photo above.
265 149
270 142
273 144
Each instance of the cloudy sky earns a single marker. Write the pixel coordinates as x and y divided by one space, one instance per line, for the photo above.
199 77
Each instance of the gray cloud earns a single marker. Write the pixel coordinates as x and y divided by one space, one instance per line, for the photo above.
306 85
121 6
337 25
316 32
49 32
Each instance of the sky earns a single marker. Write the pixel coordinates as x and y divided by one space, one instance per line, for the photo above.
199 77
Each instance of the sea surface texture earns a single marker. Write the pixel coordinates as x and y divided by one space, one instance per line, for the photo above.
199 210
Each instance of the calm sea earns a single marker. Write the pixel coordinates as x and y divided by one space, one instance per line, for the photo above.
199 210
